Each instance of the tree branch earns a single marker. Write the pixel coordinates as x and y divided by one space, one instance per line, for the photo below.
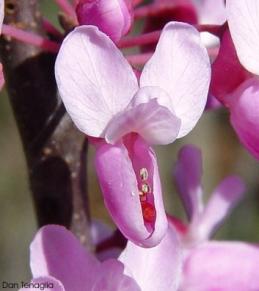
55 150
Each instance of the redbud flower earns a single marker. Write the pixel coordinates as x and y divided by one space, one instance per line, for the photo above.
102 95
212 265
57 257
203 220
113 17
230 82
244 114
243 24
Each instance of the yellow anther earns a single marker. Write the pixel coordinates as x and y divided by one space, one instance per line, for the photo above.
145 188
143 174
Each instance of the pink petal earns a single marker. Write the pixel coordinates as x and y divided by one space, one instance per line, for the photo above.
108 243
188 172
223 199
157 268
149 115
212 11
112 17
244 114
48 283
244 27
111 278
227 72
180 66
117 168
94 79
222 266
56 252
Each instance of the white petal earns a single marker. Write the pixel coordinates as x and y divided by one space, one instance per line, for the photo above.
244 28
180 66
94 79
149 115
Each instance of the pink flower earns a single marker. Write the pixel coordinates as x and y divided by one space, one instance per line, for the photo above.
102 95
233 84
212 265
56 257
243 24
113 17
227 72
203 220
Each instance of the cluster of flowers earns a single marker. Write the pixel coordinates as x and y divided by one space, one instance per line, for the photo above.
124 111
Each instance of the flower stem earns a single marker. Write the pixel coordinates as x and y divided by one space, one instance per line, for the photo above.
139 59
30 38
66 7
213 29
50 28
146 38
150 10
153 37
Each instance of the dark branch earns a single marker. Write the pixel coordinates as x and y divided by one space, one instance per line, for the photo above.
55 150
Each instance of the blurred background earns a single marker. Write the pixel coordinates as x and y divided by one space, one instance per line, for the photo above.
222 156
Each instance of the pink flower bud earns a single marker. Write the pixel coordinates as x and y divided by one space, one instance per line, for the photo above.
113 17
244 114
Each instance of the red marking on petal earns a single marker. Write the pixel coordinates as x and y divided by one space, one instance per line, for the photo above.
149 211
143 198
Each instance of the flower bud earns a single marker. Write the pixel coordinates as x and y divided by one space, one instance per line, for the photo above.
113 17
244 114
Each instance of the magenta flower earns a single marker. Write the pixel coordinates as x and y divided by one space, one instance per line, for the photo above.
203 220
211 265
227 72
114 18
56 257
244 102
234 84
102 95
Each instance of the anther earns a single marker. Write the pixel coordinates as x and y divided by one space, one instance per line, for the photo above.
145 188
143 174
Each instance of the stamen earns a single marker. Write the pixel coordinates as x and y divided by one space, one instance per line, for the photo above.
148 210
143 174
139 59
145 188
146 38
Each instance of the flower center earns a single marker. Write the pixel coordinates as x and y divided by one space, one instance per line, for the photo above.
148 209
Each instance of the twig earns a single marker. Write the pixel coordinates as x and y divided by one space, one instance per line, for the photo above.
55 150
